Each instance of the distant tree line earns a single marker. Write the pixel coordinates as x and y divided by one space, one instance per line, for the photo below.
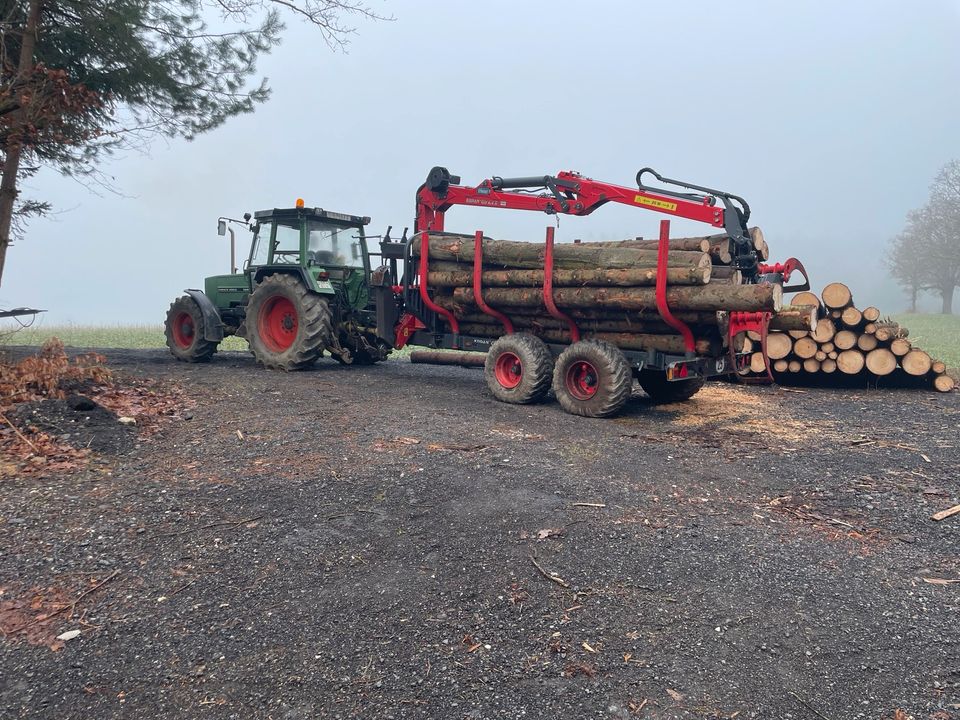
81 79
925 256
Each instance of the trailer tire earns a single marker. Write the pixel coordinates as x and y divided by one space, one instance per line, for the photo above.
592 378
184 332
519 369
288 326
663 391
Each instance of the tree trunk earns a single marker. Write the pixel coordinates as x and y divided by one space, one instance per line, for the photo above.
947 295
515 254
627 341
14 148
441 357
569 278
749 298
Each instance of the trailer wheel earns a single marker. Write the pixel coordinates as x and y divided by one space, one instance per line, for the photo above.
518 369
663 391
184 331
288 326
592 378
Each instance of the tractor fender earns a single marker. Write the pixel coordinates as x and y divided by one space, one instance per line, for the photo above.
308 281
212 325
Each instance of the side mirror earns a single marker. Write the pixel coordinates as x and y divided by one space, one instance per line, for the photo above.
247 216
221 227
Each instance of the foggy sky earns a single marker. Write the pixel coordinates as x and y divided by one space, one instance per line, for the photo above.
830 118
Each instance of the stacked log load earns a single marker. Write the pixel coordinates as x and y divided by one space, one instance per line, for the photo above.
607 288
847 341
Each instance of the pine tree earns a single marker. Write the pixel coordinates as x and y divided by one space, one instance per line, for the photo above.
81 79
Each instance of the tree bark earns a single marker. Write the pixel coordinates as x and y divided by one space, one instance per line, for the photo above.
515 254
947 296
439 357
524 322
14 148
627 341
569 278
749 298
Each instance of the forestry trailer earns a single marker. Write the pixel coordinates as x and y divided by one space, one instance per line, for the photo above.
309 286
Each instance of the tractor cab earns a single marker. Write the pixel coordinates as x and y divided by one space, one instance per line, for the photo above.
303 290
324 246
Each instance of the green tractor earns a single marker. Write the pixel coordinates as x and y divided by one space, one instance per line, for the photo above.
303 290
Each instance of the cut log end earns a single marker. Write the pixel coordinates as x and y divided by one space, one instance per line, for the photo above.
836 296
916 362
944 383
850 362
881 361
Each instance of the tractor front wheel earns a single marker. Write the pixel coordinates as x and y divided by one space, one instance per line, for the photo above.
592 378
184 331
288 326
663 391
518 369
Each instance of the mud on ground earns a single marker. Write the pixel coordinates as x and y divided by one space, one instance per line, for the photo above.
391 542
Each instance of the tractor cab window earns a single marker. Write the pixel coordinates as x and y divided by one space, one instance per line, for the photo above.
329 244
286 243
261 245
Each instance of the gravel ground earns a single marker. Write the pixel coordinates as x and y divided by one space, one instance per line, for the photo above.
390 542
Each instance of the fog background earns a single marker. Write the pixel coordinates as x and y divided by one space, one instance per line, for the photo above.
831 119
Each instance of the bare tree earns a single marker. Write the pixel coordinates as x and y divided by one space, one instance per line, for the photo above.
906 264
926 255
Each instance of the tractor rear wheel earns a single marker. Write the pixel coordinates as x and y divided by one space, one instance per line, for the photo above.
184 331
287 325
663 391
592 378
518 369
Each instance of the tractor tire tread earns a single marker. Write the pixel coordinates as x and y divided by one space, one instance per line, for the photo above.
202 349
616 379
537 363
314 320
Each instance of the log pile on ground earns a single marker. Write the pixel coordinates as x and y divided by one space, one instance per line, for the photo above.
608 288
848 342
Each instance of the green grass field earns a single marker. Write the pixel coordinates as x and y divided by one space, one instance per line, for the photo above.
83 336
939 335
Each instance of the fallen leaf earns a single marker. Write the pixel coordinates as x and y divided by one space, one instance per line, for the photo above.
548 532
69 635
588 648
675 695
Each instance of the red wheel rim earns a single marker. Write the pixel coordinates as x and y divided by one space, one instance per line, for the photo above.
184 329
278 323
508 370
582 380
